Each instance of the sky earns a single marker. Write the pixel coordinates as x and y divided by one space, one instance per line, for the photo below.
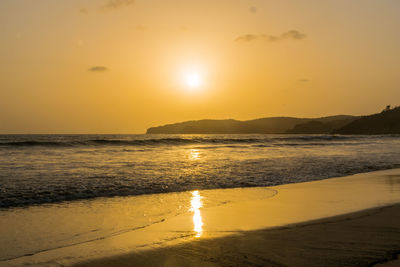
121 66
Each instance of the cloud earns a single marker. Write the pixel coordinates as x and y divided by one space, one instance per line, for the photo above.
114 4
184 28
253 9
141 27
98 69
304 80
84 11
293 35
248 37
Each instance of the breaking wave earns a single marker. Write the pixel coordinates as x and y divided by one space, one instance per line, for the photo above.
281 140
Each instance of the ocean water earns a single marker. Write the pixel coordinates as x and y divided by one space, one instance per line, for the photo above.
38 169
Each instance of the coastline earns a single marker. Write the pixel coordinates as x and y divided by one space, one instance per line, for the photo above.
364 238
236 226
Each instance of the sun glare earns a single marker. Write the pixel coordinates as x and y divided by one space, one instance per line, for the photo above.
193 80
195 205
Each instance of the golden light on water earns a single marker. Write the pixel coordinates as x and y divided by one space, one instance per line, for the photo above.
195 205
194 154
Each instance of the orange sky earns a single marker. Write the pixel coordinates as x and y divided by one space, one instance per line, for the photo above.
121 66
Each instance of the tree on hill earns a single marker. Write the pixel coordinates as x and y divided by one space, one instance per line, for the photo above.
386 122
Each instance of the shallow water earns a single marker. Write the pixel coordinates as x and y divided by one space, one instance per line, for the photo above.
37 169
35 229
69 232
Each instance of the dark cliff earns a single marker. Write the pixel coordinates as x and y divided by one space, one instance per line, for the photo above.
386 122
273 125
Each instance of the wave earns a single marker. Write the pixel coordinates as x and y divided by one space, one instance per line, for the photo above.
51 169
281 140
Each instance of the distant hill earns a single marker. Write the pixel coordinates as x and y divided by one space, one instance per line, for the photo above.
273 125
386 122
320 126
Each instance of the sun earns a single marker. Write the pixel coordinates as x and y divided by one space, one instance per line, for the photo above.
193 80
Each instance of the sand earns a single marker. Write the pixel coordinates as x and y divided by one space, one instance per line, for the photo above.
347 221
357 239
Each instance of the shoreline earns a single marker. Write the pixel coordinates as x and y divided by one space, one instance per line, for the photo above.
95 198
224 251
231 221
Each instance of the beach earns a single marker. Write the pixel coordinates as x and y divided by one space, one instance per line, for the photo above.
362 238
353 220
199 133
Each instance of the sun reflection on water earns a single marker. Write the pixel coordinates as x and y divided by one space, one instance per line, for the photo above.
196 204
194 154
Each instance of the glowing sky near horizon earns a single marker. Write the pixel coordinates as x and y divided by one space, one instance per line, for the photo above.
107 66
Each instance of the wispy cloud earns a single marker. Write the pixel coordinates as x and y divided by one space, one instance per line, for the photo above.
109 5
304 80
141 27
84 11
98 69
293 35
114 4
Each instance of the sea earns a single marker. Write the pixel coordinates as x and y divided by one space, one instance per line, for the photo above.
42 169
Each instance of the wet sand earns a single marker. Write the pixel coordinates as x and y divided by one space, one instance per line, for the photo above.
347 221
358 239
295 237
